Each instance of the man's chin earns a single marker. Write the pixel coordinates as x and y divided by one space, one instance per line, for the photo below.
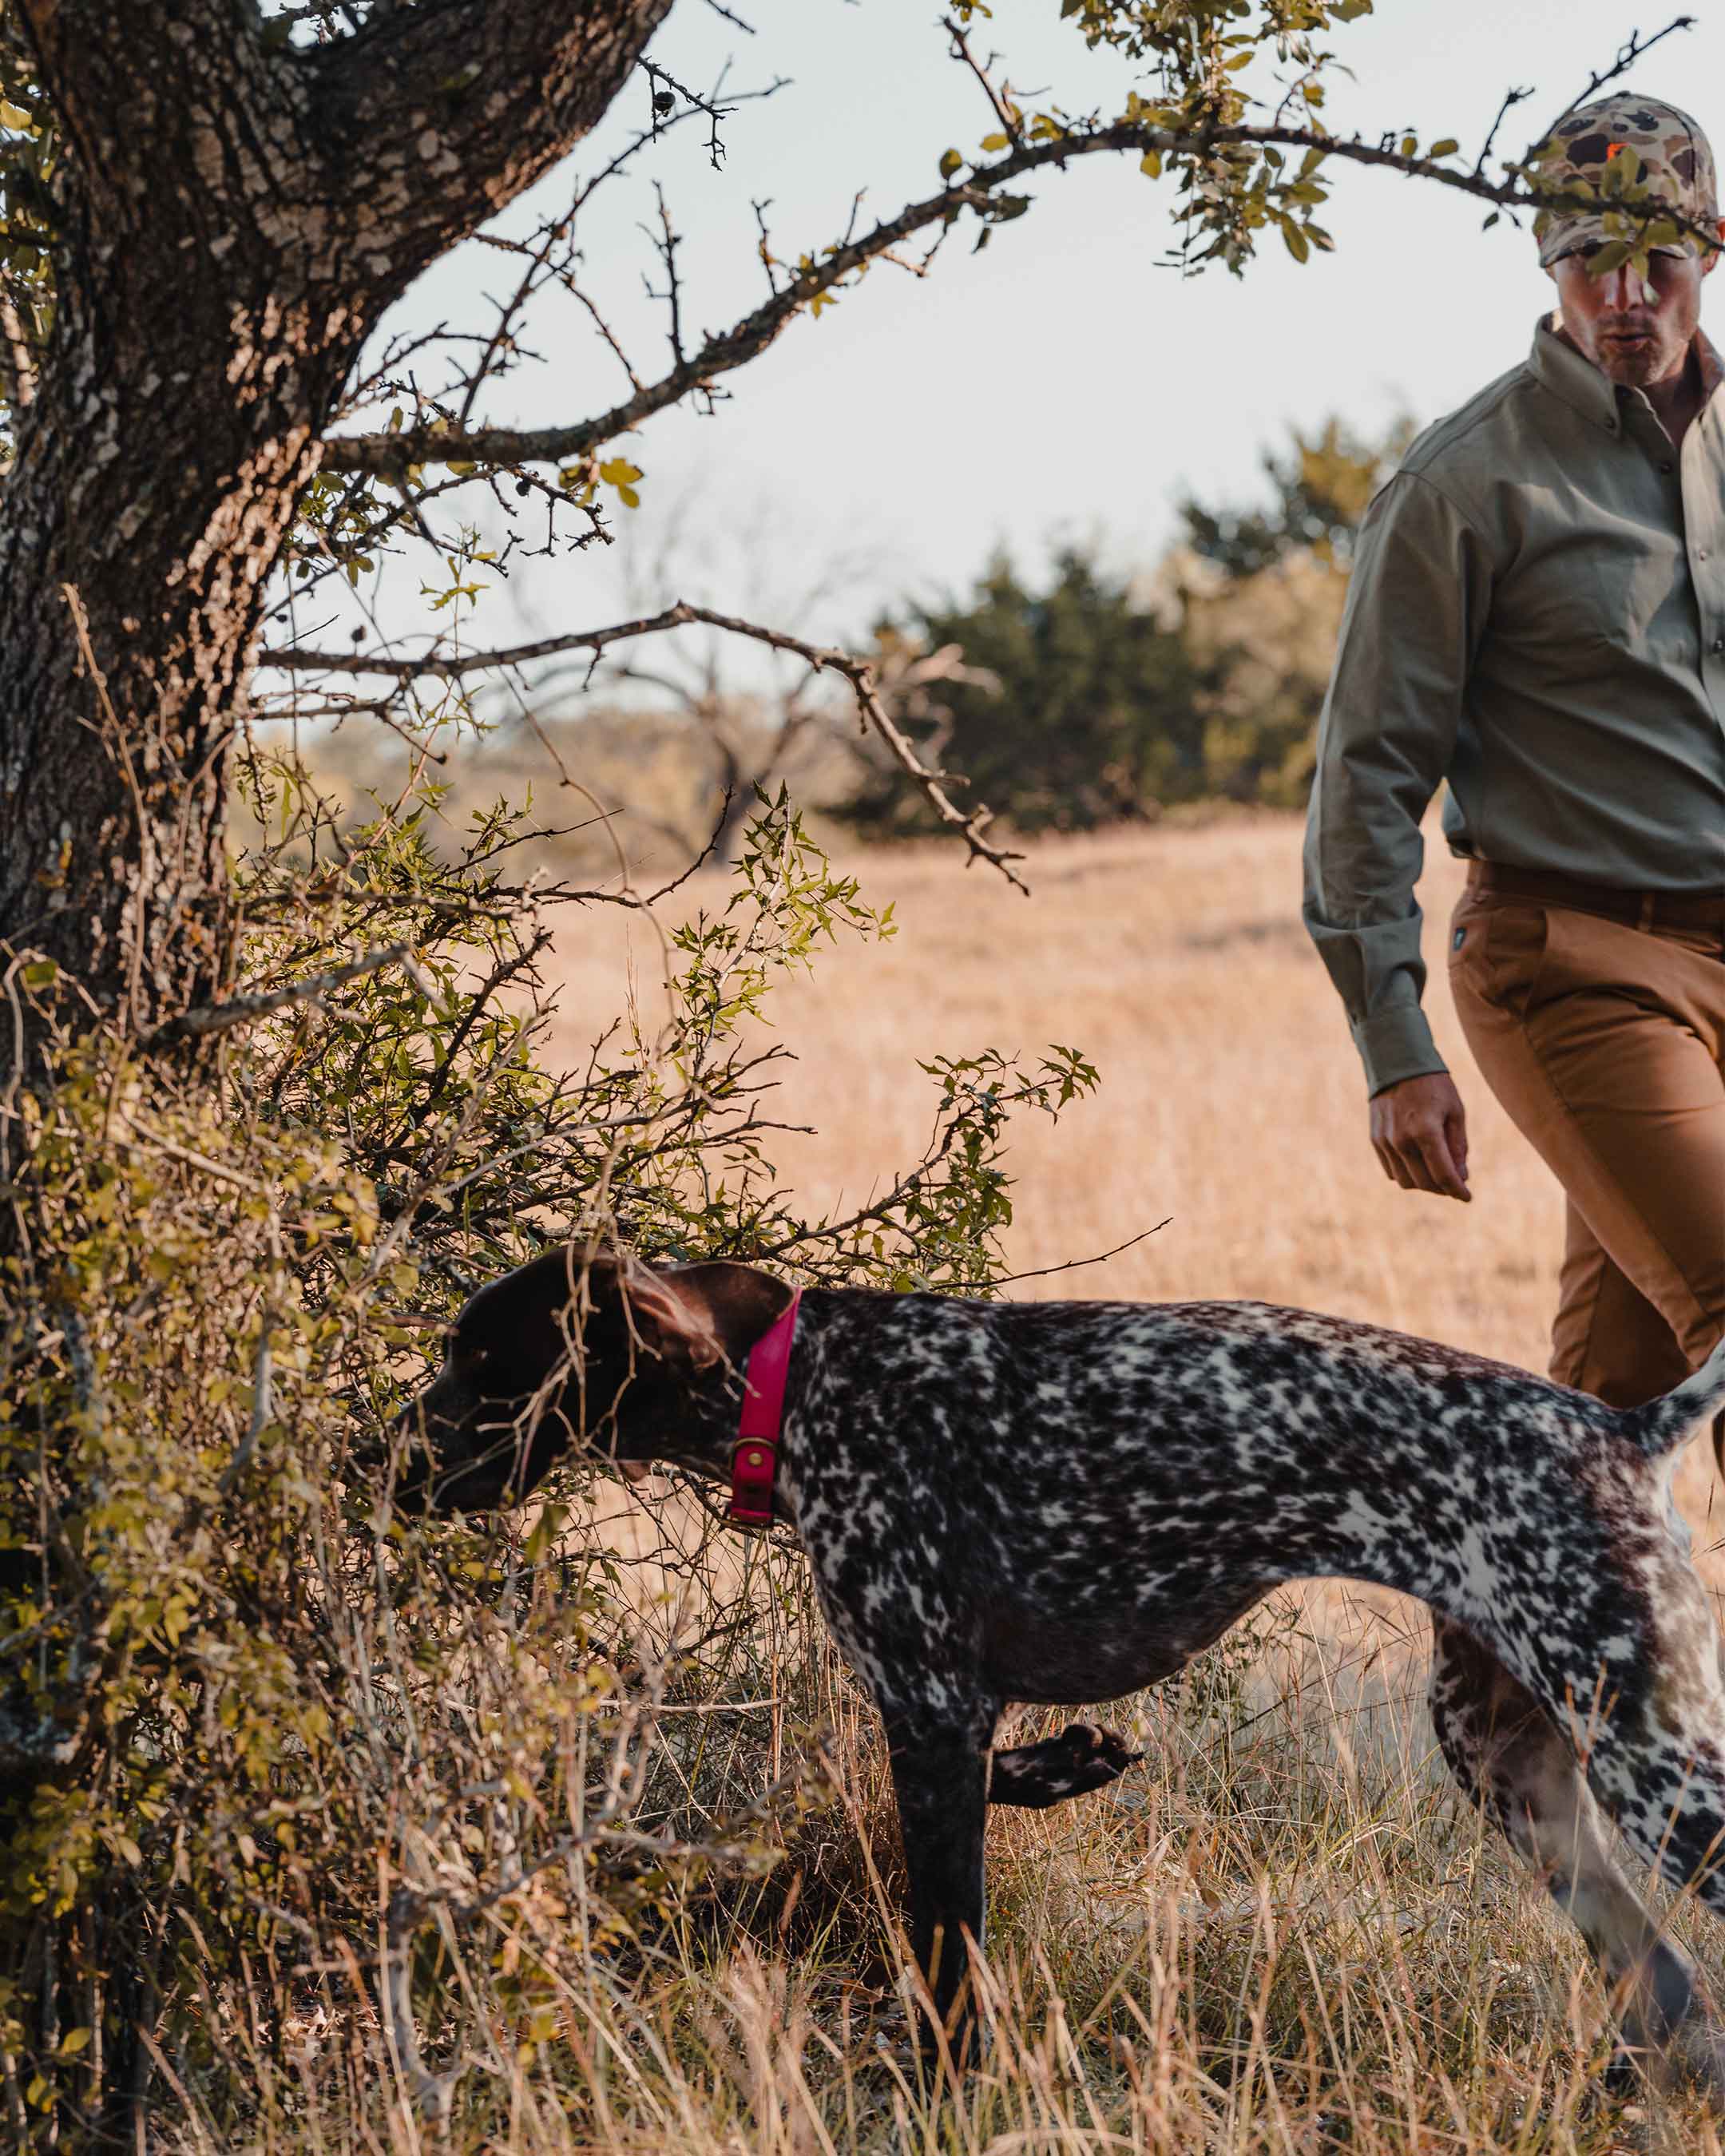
1635 363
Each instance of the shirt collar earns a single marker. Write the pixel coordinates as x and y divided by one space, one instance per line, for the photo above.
1559 368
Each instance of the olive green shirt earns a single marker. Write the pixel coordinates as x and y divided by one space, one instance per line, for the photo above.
1537 615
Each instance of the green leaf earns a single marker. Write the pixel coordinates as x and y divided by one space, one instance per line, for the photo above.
74 2041
1296 240
1446 148
13 115
995 142
1151 163
950 163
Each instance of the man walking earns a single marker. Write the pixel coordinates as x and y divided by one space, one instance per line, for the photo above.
1536 616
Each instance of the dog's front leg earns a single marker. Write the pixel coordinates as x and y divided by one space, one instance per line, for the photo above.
940 1776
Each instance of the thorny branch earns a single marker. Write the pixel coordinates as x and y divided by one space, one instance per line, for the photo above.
860 673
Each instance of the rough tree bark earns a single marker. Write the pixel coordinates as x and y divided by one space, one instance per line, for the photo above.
234 215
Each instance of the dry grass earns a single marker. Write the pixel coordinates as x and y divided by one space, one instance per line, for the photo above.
1281 1934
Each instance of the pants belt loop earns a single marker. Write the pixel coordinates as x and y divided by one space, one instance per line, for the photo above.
1650 904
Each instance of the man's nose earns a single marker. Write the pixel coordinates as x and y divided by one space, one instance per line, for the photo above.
1625 288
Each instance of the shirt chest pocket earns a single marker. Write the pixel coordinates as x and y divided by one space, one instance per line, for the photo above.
1598 580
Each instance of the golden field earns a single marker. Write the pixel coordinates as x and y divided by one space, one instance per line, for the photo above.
1282 1933
1231 1104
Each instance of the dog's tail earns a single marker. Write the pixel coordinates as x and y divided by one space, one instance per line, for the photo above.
1663 1425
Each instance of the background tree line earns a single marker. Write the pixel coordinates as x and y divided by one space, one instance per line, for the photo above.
1093 694
1104 696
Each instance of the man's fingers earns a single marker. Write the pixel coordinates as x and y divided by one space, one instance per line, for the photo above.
1401 1168
1438 1171
1419 1130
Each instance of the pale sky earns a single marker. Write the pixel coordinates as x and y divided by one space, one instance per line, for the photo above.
1061 384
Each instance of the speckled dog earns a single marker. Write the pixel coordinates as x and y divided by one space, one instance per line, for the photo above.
1058 1502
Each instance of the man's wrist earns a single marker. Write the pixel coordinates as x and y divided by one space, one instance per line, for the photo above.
1395 1044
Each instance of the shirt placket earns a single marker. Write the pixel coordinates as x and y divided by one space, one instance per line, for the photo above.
1703 478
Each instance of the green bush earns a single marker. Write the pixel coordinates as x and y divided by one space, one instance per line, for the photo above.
272 1754
1096 699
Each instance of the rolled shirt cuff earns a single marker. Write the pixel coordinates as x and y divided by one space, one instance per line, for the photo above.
1395 1043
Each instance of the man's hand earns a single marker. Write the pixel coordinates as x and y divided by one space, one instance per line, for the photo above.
1420 1134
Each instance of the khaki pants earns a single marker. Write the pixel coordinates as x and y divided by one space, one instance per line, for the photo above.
1606 1045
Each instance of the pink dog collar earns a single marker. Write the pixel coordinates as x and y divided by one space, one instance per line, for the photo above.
754 1458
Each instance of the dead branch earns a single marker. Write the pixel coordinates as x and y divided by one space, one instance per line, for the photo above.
860 673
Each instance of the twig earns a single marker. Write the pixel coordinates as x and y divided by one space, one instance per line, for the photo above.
858 672
1002 111
715 111
219 1018
1071 1265
263 1404
1635 47
432 2094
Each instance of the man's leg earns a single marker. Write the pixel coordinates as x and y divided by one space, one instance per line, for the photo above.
1605 1045
1607 1338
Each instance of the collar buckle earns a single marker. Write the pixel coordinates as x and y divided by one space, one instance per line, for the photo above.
754 1457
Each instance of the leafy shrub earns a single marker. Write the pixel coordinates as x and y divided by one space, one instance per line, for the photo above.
276 1758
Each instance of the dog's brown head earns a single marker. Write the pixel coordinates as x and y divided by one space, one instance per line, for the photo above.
574 1350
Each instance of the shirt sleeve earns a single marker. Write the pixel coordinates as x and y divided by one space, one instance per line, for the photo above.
1417 603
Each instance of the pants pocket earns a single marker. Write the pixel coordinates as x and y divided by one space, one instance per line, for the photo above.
1497 950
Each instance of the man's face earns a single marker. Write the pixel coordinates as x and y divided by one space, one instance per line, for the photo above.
1636 329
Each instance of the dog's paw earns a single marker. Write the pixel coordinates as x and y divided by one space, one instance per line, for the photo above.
1081 1759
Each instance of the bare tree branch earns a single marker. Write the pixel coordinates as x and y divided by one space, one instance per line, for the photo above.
860 673
748 338
243 1010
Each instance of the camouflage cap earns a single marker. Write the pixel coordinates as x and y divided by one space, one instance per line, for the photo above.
1587 154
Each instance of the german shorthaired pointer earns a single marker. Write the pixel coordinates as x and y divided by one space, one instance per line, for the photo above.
1059 1503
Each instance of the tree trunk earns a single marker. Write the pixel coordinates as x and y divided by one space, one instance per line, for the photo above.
233 215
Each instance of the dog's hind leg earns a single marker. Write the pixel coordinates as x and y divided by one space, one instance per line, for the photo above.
1508 1753
940 1776
1080 1758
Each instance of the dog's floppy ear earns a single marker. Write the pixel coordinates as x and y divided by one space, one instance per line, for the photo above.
726 1305
695 1317
672 1327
